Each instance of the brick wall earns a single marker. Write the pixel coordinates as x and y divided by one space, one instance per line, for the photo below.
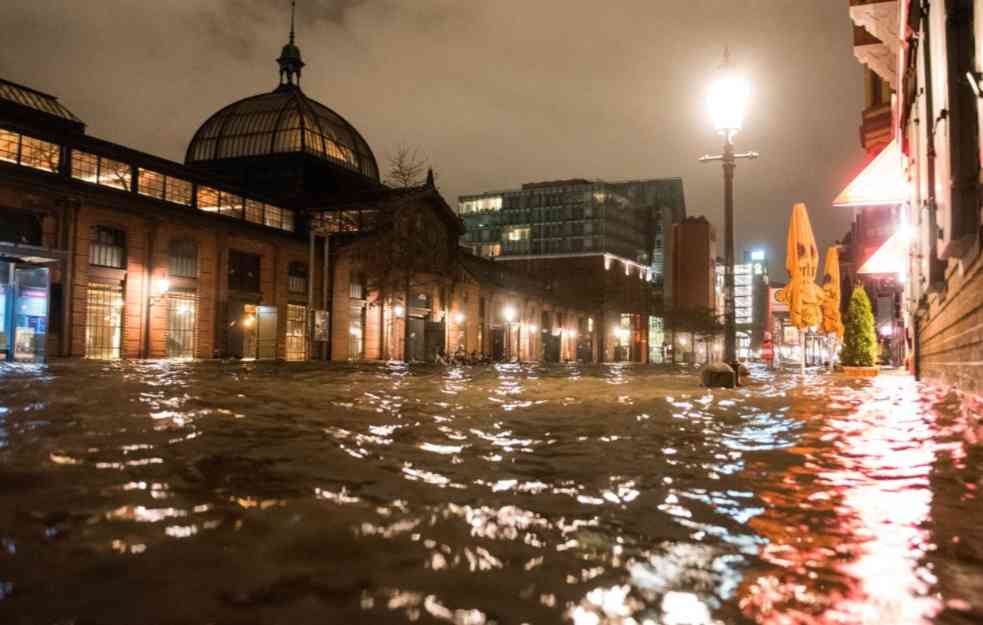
952 336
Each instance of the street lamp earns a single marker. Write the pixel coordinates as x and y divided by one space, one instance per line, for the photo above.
509 314
728 99
161 287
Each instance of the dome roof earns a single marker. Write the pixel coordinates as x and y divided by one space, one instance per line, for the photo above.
282 121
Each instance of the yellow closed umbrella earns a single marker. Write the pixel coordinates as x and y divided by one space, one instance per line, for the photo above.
802 295
832 319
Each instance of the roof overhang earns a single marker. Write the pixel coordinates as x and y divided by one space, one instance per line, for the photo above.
881 182
891 258
30 254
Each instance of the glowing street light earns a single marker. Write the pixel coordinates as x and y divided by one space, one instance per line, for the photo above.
459 318
728 100
509 313
398 310
161 287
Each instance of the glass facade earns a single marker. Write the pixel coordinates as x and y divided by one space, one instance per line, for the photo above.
284 121
625 219
24 295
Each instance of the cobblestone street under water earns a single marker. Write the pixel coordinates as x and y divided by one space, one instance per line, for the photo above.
261 493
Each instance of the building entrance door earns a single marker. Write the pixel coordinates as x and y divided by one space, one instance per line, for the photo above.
252 331
434 339
415 339
104 321
551 347
181 324
498 344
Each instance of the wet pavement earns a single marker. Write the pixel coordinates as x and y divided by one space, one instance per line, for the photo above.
260 493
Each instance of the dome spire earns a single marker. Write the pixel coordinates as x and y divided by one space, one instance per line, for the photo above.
290 61
293 10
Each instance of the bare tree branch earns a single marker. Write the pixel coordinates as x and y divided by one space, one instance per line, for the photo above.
406 167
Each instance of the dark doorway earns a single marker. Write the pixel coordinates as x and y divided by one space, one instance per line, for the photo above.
498 344
434 339
551 347
415 339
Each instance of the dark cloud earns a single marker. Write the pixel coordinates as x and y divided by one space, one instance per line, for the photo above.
495 93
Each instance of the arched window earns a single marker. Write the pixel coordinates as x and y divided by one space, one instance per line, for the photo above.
182 258
107 248
297 277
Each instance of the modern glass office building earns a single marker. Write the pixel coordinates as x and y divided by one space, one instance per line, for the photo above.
627 219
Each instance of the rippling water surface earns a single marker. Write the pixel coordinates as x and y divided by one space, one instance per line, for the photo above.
227 493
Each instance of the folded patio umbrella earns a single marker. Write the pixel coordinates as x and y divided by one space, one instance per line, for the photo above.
802 295
832 319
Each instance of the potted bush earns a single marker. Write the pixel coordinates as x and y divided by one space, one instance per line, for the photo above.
860 350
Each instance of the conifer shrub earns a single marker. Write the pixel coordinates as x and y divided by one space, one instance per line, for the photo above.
860 336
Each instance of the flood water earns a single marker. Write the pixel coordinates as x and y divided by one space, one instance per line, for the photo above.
142 493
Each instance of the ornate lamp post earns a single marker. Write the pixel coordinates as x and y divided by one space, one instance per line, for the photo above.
728 101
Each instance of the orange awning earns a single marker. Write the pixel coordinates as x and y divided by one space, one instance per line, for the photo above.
892 257
882 181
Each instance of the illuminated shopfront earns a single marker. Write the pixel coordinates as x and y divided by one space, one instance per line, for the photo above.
24 295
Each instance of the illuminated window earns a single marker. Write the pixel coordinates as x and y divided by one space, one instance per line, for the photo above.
517 233
296 332
39 154
107 248
150 183
208 199
480 205
183 258
254 211
356 288
230 205
274 216
8 145
490 250
114 174
84 166
297 277
288 220
178 191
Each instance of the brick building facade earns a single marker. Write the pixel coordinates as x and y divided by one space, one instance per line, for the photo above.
277 214
925 53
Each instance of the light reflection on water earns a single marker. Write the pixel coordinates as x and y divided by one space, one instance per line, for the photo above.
217 492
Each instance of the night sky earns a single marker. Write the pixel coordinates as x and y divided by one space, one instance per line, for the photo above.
494 92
